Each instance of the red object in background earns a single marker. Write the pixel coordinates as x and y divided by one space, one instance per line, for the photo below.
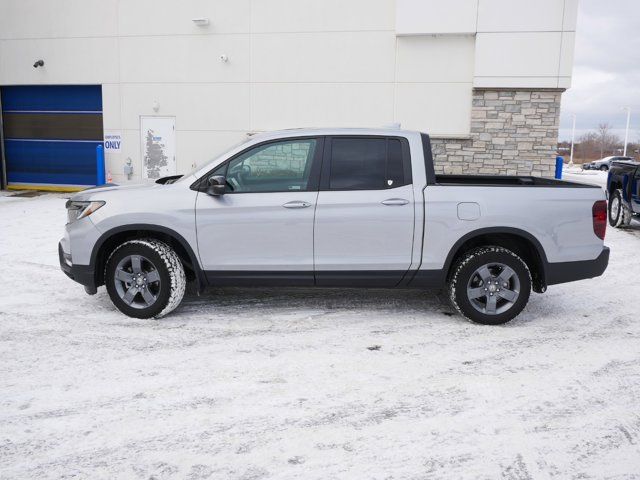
599 211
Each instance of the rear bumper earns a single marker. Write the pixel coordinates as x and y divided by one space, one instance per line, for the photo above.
563 272
83 274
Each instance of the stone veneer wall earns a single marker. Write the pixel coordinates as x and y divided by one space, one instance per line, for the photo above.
513 132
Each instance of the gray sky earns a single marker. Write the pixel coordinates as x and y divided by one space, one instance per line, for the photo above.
606 69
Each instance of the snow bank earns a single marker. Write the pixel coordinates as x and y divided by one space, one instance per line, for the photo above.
280 383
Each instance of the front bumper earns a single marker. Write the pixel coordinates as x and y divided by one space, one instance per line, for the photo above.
563 272
83 274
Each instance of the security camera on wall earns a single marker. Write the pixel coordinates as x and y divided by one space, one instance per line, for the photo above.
38 63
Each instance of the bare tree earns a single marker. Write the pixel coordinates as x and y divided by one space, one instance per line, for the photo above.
603 132
596 144
587 146
608 141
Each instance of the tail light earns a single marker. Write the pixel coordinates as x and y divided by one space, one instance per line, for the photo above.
599 211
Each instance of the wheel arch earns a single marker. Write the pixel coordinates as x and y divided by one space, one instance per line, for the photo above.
110 239
518 241
614 184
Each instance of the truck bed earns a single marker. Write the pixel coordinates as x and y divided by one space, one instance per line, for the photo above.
506 181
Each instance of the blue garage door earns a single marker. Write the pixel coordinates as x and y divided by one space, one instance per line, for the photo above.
50 135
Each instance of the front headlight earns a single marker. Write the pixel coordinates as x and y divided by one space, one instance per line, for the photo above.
77 210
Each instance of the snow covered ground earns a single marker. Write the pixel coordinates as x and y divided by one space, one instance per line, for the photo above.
593 177
251 384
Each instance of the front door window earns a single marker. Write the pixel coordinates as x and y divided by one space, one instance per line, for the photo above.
273 167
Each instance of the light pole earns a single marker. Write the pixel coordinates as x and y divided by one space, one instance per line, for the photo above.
573 135
626 132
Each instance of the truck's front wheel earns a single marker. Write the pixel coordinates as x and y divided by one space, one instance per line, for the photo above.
490 285
145 278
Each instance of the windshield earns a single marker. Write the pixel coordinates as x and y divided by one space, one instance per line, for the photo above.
201 165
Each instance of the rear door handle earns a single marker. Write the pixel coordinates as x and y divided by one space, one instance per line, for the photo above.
395 201
296 204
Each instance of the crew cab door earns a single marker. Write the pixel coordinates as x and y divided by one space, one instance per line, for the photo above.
365 212
261 229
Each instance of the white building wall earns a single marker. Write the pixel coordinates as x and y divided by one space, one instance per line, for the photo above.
291 62
434 77
433 17
518 43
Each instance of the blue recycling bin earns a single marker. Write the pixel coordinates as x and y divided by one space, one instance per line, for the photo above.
559 164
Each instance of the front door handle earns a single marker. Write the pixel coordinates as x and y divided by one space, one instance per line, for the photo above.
395 201
296 204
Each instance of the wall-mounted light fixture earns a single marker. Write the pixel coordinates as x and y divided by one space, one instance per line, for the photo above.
155 106
201 22
38 63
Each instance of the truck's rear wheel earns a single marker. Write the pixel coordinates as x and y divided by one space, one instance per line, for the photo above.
145 278
619 214
490 285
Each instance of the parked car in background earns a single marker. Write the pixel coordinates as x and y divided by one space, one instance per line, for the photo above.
336 208
605 163
623 189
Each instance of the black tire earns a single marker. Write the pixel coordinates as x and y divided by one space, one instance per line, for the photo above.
619 214
604 168
156 260
627 216
464 279
615 208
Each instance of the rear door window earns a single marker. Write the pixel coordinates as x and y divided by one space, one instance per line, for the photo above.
372 163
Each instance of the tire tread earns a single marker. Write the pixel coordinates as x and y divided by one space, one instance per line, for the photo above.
468 257
623 219
172 263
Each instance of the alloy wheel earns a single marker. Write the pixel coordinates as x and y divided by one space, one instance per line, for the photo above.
493 288
137 281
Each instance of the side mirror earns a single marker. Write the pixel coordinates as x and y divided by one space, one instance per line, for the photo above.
216 185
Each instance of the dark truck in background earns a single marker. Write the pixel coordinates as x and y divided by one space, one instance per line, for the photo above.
623 190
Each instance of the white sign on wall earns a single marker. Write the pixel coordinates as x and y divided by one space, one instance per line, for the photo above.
112 142
158 139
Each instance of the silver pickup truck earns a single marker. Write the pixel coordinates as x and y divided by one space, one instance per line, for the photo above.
335 208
